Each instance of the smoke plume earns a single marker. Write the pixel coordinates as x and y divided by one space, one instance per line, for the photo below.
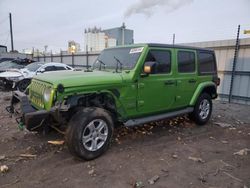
147 7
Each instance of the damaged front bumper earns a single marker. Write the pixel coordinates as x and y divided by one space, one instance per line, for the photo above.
28 115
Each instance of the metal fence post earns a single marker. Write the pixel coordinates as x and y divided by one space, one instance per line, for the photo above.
87 58
38 57
61 56
234 64
73 64
44 58
51 56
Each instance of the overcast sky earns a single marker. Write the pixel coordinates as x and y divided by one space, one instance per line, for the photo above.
37 23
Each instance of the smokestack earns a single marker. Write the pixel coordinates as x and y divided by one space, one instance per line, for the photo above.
147 7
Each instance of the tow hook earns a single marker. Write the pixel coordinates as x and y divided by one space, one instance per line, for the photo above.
20 123
21 126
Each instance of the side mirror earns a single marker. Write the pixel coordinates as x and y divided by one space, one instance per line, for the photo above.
42 70
149 67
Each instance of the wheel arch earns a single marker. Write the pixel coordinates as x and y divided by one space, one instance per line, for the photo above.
205 87
93 99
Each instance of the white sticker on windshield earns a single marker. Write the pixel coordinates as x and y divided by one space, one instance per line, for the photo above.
136 50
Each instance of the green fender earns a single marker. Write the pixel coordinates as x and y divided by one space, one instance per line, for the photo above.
198 91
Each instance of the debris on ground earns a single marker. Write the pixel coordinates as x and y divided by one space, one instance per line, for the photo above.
154 179
200 160
56 142
223 125
231 176
91 172
166 172
202 178
224 142
242 152
175 156
7 98
138 184
2 157
4 168
28 155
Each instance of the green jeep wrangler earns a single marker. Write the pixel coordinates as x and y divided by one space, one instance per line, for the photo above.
128 85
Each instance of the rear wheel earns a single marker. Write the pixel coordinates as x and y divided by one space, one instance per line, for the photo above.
202 110
89 133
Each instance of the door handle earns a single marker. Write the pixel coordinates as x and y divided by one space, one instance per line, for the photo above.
192 81
169 82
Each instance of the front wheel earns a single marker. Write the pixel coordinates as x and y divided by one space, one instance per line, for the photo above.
89 133
202 110
23 84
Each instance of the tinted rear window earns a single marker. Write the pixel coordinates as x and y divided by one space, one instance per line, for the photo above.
186 61
206 62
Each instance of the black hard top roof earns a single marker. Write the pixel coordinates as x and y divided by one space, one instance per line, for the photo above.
158 45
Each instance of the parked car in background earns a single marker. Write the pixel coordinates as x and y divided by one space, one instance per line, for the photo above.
6 59
14 64
20 79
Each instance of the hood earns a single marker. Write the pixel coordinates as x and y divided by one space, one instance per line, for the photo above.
10 73
80 78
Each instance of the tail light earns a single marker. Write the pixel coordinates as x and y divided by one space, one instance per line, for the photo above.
216 80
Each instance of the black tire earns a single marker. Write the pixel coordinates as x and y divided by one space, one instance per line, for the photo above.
201 118
23 84
80 123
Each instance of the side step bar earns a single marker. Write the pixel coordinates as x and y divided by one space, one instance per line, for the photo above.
139 121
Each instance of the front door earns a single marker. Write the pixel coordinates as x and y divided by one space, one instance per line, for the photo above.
156 91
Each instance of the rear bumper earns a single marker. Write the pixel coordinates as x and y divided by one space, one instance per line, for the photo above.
28 115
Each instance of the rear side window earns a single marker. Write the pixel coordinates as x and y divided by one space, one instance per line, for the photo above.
206 62
50 68
186 61
60 68
163 59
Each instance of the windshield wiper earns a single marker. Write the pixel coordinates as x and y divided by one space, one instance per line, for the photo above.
118 62
101 63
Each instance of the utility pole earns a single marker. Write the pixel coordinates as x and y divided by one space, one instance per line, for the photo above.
173 38
11 33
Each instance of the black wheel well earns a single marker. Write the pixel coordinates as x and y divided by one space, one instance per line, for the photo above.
100 100
211 90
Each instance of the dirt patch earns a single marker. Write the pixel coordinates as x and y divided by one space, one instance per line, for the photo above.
173 153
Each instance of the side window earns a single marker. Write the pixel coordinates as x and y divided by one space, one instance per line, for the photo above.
186 61
163 60
50 68
207 62
60 68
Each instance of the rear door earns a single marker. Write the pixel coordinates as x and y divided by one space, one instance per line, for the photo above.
156 91
186 76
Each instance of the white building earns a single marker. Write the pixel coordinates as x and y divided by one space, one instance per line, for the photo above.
96 40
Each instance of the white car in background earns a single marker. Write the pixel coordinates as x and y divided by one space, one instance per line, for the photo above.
20 79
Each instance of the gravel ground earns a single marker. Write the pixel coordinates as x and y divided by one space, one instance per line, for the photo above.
172 154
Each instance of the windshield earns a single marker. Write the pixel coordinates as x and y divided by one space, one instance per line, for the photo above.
34 66
125 57
11 65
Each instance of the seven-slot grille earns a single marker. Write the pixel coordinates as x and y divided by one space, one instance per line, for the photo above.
36 91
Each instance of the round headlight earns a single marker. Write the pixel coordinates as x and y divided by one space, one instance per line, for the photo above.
47 94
